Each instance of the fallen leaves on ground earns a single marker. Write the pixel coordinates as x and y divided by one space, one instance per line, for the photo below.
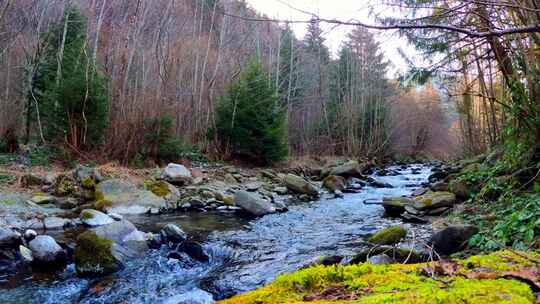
528 275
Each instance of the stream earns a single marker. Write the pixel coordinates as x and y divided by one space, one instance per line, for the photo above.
244 254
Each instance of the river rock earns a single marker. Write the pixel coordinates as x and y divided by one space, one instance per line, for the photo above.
388 236
380 259
299 185
281 190
9 238
46 252
17 211
195 250
253 186
439 186
26 254
398 255
173 233
94 218
96 256
122 197
43 199
452 239
176 174
87 177
195 296
54 222
334 182
32 179
395 206
253 204
125 234
460 189
29 235
349 169
434 200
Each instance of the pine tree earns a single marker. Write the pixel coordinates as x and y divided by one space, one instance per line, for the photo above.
251 123
359 91
72 94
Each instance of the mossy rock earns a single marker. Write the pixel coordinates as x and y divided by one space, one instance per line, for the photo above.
389 236
434 200
94 255
88 183
102 205
159 188
399 255
334 182
65 185
400 284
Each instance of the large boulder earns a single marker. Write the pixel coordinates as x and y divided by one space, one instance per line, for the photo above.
253 204
349 169
434 200
167 191
105 249
334 183
94 218
122 197
95 256
9 238
17 211
452 239
46 252
299 185
125 234
176 174
388 236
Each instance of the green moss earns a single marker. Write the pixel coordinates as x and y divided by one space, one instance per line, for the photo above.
388 236
65 186
159 188
85 215
93 255
397 283
102 204
88 183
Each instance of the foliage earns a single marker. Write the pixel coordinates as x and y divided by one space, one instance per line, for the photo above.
514 221
398 283
161 143
72 94
251 122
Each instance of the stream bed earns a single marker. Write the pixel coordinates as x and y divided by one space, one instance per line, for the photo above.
244 254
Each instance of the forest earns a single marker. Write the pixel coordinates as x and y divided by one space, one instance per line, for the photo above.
152 71
192 151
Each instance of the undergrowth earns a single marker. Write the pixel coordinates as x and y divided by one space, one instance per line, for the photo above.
504 201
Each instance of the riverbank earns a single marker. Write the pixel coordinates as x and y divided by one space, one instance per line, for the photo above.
217 230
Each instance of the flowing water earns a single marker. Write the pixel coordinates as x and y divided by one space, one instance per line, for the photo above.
243 254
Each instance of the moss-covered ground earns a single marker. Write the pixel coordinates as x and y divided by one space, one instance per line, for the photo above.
478 279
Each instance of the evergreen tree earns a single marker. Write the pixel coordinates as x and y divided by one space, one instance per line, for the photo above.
251 123
71 92
359 91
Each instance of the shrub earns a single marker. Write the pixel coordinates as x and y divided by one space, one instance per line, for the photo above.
251 122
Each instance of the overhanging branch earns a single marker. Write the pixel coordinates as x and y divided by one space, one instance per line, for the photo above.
450 28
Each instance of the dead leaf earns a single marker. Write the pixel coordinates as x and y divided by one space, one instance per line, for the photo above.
336 293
